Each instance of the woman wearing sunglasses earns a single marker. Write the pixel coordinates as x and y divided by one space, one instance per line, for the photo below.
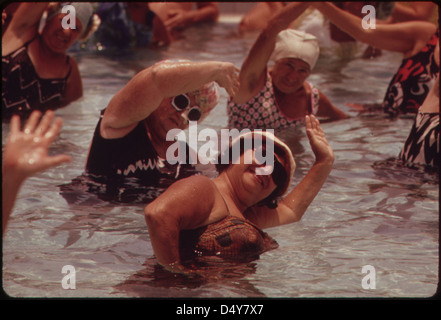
236 205
130 137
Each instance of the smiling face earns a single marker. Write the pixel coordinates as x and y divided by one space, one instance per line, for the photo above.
289 74
250 184
57 38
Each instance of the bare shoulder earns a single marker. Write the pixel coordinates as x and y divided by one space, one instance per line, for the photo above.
193 187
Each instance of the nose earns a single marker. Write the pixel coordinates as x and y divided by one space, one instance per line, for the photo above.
293 75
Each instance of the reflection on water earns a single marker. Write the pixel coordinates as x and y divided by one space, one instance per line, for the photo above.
371 211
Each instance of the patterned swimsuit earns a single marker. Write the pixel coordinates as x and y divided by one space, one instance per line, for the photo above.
262 111
23 90
422 146
411 84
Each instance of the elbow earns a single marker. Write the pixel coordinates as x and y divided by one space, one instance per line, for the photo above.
154 216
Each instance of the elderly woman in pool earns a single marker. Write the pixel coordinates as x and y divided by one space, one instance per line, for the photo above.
37 74
280 97
238 193
130 139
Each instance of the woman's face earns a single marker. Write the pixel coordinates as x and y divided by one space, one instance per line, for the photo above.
289 74
166 117
251 186
58 38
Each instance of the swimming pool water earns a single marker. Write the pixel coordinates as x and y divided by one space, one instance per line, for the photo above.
369 212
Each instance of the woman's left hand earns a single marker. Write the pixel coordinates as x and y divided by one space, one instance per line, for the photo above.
26 152
317 139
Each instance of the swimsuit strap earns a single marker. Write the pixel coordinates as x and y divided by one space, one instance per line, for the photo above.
226 205
313 107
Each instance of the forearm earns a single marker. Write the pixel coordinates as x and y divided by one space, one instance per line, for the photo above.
393 37
266 41
344 20
176 78
285 17
209 12
254 66
299 199
11 186
145 92
420 11
27 15
164 238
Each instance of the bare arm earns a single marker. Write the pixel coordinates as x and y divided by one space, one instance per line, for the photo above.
294 205
405 37
26 153
329 110
145 92
206 11
74 87
419 10
253 72
257 18
23 26
178 208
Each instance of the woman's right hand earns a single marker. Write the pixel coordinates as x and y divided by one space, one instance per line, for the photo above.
228 78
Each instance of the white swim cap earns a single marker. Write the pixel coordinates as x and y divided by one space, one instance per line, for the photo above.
83 12
296 44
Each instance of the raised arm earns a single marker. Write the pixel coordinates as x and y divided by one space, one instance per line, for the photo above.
415 10
178 208
145 92
23 26
406 37
253 71
294 205
26 153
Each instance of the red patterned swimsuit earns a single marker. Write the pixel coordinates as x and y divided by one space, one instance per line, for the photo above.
411 84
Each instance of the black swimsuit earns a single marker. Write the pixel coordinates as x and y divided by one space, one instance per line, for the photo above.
132 156
23 90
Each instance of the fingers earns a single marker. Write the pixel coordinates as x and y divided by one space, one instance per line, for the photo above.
45 128
57 160
44 123
14 125
54 130
32 122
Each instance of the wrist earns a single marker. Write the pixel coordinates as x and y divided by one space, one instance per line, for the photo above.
325 163
11 175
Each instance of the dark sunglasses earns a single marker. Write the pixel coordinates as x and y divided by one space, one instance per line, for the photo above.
181 103
279 173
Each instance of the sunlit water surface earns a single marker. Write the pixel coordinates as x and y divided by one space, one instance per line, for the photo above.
369 212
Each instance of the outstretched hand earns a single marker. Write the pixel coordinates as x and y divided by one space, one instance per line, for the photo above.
317 139
26 152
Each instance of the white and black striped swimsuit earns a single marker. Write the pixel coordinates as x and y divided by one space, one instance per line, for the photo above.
422 145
